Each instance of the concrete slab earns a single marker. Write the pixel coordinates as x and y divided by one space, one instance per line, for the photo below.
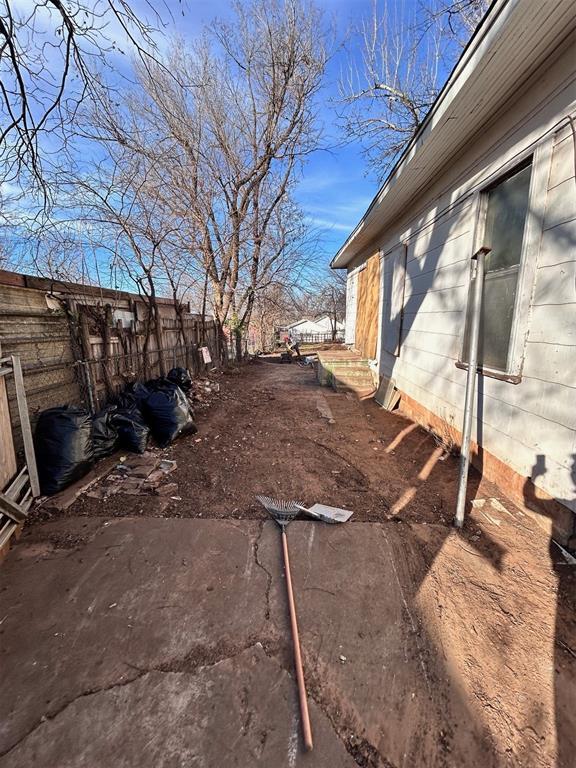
92 603
388 640
239 712
165 642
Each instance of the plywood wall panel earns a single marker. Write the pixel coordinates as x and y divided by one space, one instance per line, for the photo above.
367 312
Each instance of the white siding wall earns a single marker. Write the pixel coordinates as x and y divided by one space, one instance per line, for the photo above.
351 291
518 423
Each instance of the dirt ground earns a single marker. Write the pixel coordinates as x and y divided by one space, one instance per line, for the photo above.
152 630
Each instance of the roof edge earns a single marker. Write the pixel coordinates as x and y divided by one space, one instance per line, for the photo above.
483 28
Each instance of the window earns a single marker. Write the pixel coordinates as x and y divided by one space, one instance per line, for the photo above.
505 213
394 288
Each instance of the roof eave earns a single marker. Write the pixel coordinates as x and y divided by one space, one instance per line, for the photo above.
345 253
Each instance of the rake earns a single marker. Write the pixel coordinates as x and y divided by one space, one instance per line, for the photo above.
318 511
283 512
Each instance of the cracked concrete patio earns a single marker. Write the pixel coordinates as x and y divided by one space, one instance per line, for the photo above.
143 640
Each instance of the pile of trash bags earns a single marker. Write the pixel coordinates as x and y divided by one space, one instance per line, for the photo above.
64 447
69 440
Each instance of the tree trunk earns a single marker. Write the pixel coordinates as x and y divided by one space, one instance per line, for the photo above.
204 294
221 342
238 344
159 339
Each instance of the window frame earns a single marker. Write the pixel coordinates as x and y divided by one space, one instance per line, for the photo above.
540 158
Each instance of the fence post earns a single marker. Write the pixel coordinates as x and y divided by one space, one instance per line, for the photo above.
88 385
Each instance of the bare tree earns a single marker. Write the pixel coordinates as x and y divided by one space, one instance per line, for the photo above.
330 298
275 306
237 116
190 188
405 58
49 51
128 230
459 17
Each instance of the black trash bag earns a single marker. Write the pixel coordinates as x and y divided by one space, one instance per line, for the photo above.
167 412
162 382
133 432
181 377
63 445
135 393
125 399
104 432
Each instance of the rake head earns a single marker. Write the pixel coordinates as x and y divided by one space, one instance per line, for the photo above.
282 511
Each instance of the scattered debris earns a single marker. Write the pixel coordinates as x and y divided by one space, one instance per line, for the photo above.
324 409
570 559
493 520
167 490
138 476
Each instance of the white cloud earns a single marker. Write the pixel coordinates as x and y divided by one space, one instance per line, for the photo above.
330 224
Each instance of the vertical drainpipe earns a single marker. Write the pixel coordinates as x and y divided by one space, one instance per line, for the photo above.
476 308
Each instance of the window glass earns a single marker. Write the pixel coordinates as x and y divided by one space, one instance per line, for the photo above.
496 320
507 209
505 220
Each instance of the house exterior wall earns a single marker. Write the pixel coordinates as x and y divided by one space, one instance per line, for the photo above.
529 426
367 308
351 293
322 325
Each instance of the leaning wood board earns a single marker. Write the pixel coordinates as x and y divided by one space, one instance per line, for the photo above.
7 454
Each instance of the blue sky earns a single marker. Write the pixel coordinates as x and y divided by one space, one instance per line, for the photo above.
334 191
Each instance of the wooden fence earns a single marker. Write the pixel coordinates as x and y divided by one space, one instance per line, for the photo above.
79 344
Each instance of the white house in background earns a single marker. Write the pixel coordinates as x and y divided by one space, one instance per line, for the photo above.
307 327
493 164
325 322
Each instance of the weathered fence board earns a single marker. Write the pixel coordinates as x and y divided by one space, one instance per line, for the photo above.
80 344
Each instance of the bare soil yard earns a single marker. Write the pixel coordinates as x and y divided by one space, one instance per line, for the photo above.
156 641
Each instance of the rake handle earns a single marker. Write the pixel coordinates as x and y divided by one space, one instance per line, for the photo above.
297 653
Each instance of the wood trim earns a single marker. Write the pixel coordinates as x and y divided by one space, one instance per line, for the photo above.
533 231
489 373
541 156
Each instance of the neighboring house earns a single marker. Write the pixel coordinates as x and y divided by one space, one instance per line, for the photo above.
322 326
325 323
493 164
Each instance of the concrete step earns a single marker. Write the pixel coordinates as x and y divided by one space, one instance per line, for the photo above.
368 382
352 372
361 393
356 370
354 384
364 384
353 362
347 372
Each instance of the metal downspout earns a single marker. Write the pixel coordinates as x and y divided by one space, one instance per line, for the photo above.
479 256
